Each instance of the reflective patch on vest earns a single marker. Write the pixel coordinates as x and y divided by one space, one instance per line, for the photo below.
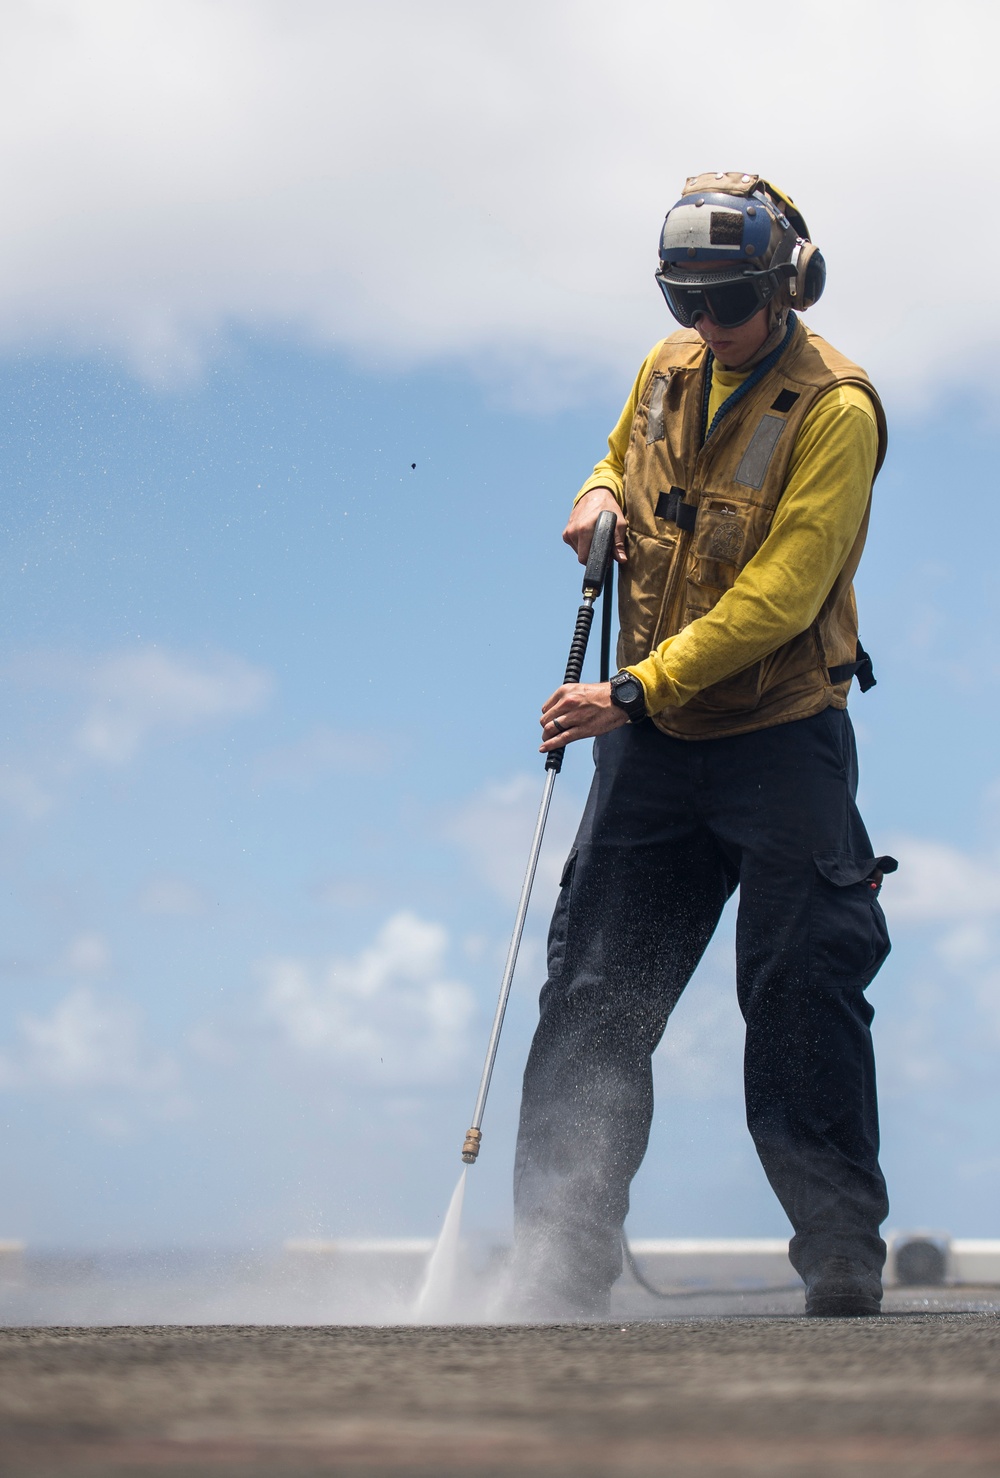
757 457
655 427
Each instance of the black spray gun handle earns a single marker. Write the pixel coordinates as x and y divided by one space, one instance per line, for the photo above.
593 582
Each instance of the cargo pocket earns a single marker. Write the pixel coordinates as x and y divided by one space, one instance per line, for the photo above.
558 929
848 938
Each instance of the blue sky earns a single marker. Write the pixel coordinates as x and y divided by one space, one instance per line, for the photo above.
268 770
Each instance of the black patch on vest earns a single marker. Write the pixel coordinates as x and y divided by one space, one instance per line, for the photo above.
726 228
785 401
672 507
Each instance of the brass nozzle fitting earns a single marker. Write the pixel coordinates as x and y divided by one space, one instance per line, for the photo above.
470 1149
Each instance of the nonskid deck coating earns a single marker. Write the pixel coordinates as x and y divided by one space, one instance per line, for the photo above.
913 1394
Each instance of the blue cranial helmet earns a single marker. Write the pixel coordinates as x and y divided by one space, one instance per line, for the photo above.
737 228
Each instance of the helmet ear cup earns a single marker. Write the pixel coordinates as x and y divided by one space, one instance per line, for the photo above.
812 275
808 276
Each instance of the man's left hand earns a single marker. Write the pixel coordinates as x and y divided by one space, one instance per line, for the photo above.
579 711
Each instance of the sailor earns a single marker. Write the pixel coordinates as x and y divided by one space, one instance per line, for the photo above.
741 474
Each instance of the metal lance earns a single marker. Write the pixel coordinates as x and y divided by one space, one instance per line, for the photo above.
597 576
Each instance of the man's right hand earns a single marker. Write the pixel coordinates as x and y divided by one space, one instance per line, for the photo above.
579 532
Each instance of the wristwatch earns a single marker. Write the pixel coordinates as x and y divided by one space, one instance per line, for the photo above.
628 694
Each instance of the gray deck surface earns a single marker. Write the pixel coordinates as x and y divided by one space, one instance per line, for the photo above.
914 1393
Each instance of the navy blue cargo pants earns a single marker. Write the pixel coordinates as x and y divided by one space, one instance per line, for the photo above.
670 828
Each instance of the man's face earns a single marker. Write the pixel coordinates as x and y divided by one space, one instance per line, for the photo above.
731 346
734 346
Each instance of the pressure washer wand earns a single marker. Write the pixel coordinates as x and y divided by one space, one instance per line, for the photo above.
593 582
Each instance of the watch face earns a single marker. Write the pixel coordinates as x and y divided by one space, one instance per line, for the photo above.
628 690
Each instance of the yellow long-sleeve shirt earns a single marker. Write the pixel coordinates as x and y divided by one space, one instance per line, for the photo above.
780 590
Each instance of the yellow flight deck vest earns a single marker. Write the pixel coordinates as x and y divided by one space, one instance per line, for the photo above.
697 514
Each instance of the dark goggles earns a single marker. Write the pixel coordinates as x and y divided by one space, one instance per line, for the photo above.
728 302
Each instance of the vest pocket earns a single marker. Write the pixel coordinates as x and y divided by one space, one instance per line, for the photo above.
723 533
641 585
720 538
848 936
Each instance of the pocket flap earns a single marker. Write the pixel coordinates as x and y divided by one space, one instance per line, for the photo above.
842 868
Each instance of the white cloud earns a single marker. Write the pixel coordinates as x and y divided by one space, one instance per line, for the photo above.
494 830
966 946
171 898
107 707
943 908
916 1048
323 751
88 954
212 1044
390 1014
135 693
448 179
24 793
349 892
83 1043
939 882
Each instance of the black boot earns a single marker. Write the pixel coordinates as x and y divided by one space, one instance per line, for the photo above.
840 1288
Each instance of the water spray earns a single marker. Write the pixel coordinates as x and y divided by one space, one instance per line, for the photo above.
597 577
